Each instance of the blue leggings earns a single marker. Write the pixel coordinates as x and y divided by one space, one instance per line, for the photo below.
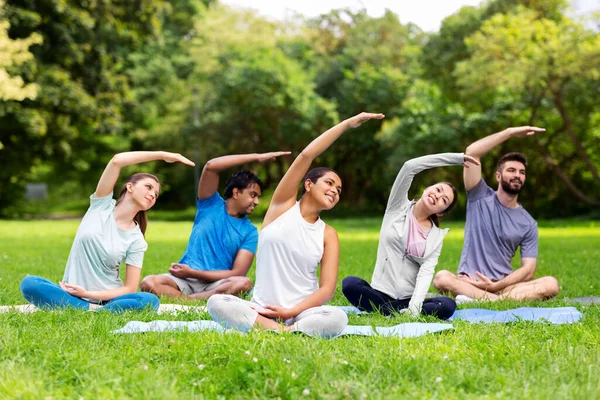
48 295
362 295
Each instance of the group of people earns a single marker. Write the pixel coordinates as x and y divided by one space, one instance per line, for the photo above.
294 241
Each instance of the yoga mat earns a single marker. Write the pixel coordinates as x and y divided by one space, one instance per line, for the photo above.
587 300
412 329
560 315
351 310
162 326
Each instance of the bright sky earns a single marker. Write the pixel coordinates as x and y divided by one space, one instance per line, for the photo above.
427 14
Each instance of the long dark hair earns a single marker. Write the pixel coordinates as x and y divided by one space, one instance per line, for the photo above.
141 218
314 175
436 218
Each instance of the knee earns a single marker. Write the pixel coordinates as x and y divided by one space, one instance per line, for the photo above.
148 283
29 285
151 300
243 284
339 323
350 284
551 286
442 279
214 305
447 309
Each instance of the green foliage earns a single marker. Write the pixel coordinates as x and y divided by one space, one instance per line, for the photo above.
204 79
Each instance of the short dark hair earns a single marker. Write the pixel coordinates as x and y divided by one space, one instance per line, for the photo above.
314 175
240 180
514 156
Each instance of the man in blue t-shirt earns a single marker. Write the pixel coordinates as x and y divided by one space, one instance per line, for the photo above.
496 226
223 241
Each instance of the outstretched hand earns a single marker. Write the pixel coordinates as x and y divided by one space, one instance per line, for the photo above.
361 118
470 160
272 155
523 131
176 157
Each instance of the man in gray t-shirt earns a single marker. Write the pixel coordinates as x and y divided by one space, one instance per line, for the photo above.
496 226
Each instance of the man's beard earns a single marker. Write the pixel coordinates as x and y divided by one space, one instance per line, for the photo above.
506 185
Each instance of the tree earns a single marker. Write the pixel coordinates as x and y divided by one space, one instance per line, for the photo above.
537 61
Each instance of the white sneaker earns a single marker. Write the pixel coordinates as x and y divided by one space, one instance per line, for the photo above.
462 299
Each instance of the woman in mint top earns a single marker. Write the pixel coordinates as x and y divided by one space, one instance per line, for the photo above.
111 232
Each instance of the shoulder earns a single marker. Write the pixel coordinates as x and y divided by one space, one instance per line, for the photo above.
528 218
213 200
102 203
330 234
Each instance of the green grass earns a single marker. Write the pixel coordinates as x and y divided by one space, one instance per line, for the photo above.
72 354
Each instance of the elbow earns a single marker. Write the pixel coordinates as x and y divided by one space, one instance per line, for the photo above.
470 151
329 292
210 165
305 156
117 160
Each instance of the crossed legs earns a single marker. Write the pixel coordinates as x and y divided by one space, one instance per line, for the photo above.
536 289
162 285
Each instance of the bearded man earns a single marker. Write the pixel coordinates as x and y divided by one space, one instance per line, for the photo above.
496 226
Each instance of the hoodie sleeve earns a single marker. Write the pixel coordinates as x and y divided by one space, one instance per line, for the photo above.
424 278
399 193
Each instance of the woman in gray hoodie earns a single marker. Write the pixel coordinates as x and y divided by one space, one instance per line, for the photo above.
410 243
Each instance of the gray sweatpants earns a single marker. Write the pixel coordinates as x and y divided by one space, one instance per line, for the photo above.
233 312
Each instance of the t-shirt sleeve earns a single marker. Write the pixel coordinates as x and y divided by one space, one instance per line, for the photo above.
250 241
529 245
480 190
101 203
209 202
135 253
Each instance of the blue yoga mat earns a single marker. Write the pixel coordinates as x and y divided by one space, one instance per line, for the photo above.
560 315
413 329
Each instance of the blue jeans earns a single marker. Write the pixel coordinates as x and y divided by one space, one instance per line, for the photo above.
48 295
360 294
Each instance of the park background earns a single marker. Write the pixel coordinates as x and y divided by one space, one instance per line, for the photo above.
83 79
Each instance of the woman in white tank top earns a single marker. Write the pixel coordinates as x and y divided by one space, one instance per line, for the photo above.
291 245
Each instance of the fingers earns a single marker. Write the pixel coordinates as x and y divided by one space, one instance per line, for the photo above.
186 161
373 115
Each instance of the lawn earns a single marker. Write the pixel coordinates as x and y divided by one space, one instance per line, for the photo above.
73 354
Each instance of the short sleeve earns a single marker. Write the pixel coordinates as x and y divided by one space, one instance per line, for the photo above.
209 202
250 241
529 245
135 253
101 203
478 191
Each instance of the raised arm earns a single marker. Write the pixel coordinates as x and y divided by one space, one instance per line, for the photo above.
287 189
209 180
109 177
478 149
399 192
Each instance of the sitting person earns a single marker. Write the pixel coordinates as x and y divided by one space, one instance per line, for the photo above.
293 242
410 243
496 225
110 232
223 240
